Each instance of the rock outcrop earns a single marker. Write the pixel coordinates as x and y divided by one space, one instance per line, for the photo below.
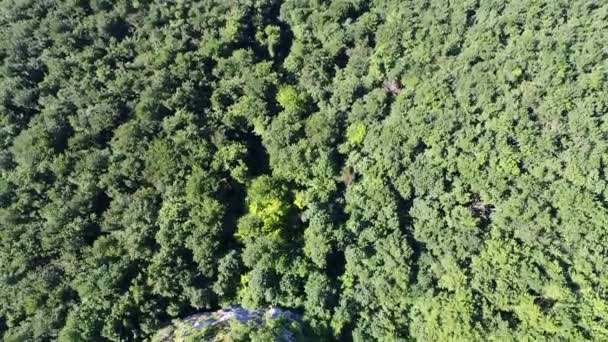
234 323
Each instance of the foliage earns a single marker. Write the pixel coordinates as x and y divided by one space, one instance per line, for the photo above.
356 133
417 170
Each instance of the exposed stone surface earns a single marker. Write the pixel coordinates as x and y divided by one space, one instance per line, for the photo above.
212 326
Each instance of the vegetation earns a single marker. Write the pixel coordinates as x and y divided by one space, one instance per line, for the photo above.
393 170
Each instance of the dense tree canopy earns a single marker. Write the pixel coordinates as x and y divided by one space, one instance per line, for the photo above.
392 170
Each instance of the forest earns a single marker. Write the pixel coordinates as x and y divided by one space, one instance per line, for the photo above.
390 170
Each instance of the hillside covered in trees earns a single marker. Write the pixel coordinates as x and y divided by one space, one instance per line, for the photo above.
389 170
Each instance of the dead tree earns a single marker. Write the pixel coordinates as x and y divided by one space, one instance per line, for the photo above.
393 87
